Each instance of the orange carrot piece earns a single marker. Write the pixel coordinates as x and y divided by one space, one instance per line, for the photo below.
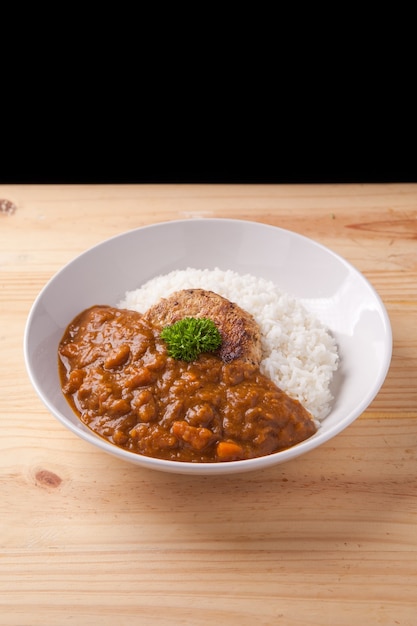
229 451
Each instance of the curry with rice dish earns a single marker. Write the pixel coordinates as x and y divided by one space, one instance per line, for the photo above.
123 378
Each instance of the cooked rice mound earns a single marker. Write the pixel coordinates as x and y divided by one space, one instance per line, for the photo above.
298 353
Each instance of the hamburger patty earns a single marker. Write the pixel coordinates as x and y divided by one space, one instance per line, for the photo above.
241 337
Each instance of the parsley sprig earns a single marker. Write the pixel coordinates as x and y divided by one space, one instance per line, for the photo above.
191 336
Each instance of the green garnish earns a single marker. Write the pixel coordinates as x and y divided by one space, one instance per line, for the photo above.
191 336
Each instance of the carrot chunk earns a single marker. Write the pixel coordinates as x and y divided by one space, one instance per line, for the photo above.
229 451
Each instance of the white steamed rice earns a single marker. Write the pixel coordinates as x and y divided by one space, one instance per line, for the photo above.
298 353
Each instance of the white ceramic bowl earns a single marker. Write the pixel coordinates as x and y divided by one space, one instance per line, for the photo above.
327 284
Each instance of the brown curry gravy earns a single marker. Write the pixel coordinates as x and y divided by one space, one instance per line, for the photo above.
119 380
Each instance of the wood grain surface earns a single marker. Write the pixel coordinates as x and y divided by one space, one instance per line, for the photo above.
327 539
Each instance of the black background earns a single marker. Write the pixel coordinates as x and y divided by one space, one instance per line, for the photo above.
317 96
332 139
171 157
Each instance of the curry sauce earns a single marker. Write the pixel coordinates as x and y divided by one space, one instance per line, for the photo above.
118 378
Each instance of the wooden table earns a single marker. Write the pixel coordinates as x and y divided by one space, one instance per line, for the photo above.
327 539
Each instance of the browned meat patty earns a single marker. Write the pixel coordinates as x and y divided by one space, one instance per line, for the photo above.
241 337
